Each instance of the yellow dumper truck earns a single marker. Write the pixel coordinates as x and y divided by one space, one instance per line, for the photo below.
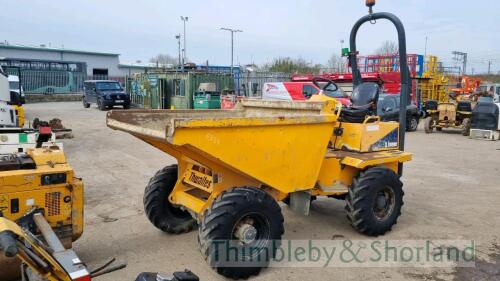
234 166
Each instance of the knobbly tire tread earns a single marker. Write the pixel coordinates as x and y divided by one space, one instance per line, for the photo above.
225 209
157 207
359 200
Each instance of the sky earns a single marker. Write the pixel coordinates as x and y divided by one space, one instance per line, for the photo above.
312 30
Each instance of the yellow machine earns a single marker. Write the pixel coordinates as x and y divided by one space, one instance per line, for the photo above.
48 261
260 153
433 84
452 114
44 257
234 166
20 115
441 110
40 181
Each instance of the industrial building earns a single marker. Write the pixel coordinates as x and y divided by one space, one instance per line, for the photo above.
48 70
94 63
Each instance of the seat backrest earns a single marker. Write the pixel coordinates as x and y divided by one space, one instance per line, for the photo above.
431 105
365 95
464 106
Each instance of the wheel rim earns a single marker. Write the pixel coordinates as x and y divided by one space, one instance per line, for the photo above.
252 230
413 123
383 203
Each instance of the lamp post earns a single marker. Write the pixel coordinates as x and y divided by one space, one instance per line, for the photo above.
232 42
184 20
178 37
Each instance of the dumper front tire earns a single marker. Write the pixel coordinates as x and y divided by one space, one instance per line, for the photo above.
240 232
158 208
374 201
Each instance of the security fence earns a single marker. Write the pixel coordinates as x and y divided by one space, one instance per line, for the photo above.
55 82
249 83
246 83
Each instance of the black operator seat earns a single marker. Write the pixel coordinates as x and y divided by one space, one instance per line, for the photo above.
364 100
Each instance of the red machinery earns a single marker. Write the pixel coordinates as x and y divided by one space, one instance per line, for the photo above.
390 81
383 69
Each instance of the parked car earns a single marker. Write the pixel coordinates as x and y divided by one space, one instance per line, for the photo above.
299 91
388 110
105 93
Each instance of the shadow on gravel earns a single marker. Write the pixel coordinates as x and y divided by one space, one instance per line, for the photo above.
483 271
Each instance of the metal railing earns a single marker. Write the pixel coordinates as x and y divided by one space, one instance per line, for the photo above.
250 84
55 82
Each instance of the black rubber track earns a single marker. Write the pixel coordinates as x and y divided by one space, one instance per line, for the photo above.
361 197
159 210
222 215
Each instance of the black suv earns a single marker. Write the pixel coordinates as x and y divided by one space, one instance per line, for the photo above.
105 93
388 110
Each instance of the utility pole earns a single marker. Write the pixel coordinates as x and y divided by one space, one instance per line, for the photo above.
232 42
463 59
184 20
489 67
425 49
178 37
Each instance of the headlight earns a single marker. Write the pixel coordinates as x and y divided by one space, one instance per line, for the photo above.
106 97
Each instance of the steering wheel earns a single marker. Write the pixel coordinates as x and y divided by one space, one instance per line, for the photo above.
329 83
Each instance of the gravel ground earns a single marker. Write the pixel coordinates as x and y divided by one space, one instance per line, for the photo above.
452 191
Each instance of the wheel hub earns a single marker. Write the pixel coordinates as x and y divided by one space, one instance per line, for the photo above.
246 233
414 123
381 202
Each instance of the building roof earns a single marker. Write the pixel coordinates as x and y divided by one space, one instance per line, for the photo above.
132 65
58 50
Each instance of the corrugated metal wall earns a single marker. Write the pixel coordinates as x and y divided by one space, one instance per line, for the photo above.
173 90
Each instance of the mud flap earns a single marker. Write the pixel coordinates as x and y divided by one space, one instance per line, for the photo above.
300 202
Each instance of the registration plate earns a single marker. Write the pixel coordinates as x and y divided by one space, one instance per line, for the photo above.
119 101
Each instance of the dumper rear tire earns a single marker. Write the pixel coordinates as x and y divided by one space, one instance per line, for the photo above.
162 214
242 218
374 201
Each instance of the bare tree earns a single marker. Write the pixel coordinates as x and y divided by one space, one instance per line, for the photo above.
337 64
163 60
387 48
